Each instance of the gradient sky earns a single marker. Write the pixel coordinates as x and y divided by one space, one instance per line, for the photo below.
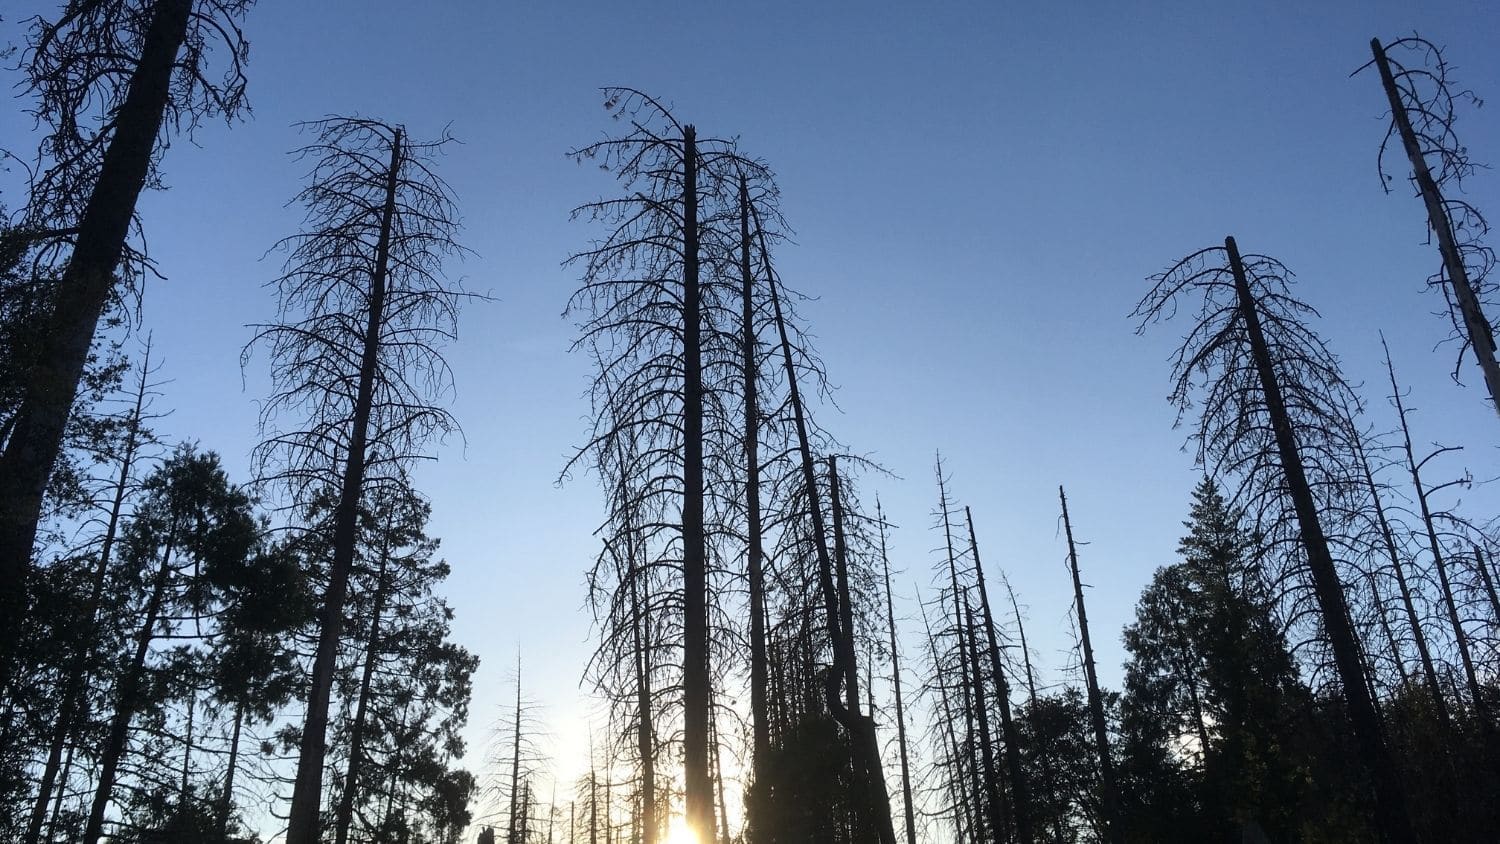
978 191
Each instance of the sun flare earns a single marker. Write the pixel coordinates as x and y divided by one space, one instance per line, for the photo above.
678 832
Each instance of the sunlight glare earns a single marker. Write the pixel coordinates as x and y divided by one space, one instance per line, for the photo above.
678 832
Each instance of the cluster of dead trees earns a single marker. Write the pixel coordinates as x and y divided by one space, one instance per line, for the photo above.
182 656
174 645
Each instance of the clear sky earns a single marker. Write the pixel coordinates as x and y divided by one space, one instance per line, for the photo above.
978 190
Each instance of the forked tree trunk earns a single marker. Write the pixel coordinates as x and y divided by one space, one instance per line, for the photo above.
83 292
1481 337
307 790
1390 804
1096 699
696 693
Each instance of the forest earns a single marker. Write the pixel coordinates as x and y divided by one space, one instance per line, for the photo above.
770 633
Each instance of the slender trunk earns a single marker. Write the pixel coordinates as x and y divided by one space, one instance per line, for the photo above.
845 642
226 799
1390 805
890 620
1096 699
83 292
515 761
593 808
753 552
861 730
72 701
1020 789
995 810
645 731
1434 545
965 822
1388 539
1390 635
723 814
963 662
129 692
1489 583
344 814
302 819
1480 335
187 749
57 800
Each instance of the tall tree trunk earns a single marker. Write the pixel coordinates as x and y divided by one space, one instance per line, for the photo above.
965 823
1390 804
226 799
515 761
128 695
845 642
344 814
1020 790
698 779
1378 601
187 747
861 730
753 552
967 700
890 620
1489 583
1096 699
68 711
1480 335
84 290
994 805
1435 546
307 790
1388 540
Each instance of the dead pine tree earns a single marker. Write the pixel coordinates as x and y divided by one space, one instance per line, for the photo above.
1274 420
1020 791
110 79
363 313
1110 788
653 321
909 810
1423 103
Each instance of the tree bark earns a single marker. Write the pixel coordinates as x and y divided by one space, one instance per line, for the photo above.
1096 700
1390 804
83 292
1480 335
302 820
226 800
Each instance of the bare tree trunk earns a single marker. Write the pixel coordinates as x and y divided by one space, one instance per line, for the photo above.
1020 791
861 730
966 824
1390 635
698 778
226 800
68 712
83 292
890 619
967 700
344 814
994 805
1489 583
1096 699
515 761
1480 335
645 731
754 552
1390 805
1434 545
1388 539
302 819
129 692
187 748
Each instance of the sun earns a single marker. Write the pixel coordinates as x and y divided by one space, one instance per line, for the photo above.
678 832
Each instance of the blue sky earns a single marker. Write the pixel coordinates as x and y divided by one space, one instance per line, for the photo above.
978 191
